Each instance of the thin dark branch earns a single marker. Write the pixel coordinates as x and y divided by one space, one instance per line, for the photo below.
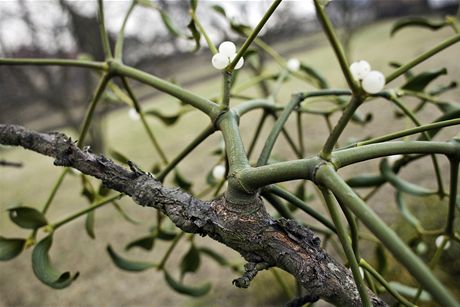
11 164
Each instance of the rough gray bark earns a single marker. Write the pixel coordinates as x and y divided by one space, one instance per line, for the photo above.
262 241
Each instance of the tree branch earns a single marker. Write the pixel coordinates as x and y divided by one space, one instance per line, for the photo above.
255 235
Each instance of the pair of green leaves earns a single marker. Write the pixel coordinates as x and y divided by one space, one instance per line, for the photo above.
179 287
190 264
30 218
419 82
147 242
129 265
24 217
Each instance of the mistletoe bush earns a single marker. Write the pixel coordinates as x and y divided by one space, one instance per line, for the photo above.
240 189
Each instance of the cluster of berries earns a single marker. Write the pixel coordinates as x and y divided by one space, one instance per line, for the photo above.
226 54
372 81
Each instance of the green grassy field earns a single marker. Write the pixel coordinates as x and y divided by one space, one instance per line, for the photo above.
100 283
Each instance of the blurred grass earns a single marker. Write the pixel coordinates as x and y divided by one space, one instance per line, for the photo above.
100 283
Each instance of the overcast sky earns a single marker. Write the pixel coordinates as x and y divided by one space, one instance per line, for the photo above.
145 23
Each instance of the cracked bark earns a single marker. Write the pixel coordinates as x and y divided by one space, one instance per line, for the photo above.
248 230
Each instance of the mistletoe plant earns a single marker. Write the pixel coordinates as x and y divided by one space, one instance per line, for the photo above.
237 217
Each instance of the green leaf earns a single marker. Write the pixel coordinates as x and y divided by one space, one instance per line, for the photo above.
214 255
196 35
417 22
240 28
420 81
103 190
10 248
124 214
168 120
183 289
88 191
128 265
193 4
191 261
451 113
26 217
166 235
118 156
401 184
45 272
89 224
180 181
145 243
219 9
167 21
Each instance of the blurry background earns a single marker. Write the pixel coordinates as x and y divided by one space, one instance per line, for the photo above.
50 98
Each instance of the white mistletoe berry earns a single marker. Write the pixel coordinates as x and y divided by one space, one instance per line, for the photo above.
133 115
220 61
359 70
293 65
421 248
227 48
373 82
226 54
439 241
240 62
218 172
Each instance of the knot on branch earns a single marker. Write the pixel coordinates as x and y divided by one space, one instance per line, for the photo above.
299 233
250 271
